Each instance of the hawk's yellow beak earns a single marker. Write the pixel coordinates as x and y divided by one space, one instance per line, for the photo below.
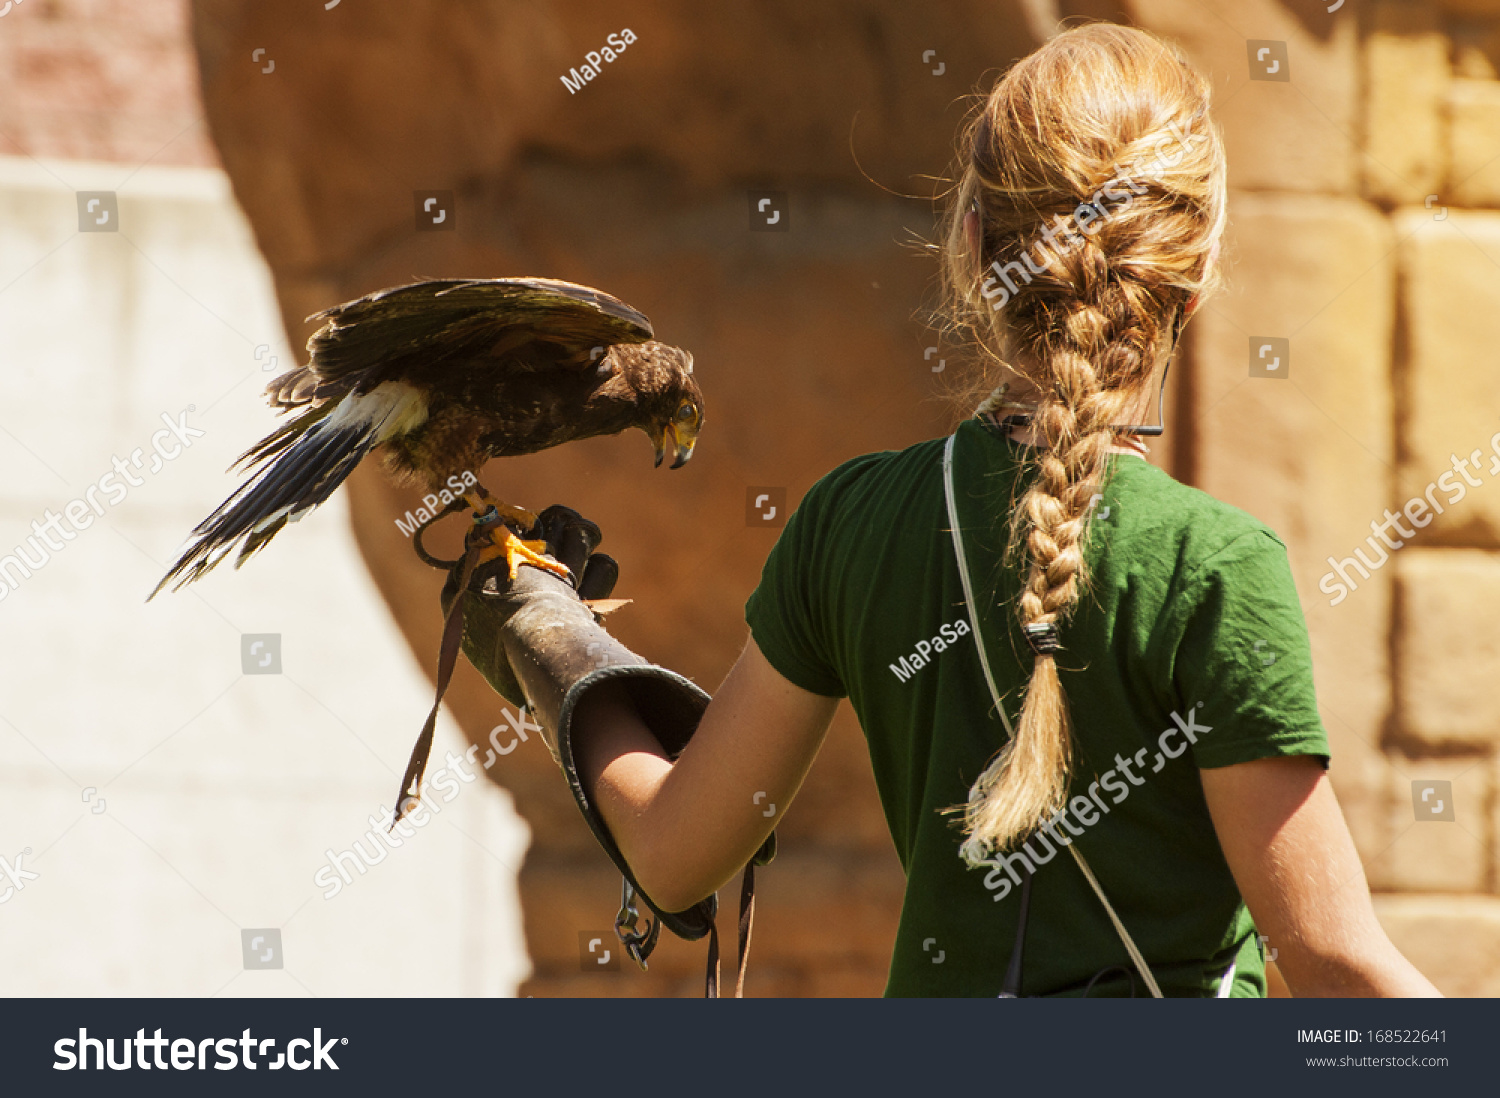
684 438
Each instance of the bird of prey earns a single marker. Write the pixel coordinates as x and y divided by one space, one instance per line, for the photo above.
444 375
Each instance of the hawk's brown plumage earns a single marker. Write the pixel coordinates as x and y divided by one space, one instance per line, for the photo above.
446 375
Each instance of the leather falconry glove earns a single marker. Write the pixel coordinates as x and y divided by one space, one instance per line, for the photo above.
537 642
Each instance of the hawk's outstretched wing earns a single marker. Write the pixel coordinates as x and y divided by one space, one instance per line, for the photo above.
405 332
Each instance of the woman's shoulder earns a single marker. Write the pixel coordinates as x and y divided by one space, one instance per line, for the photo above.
1151 506
877 473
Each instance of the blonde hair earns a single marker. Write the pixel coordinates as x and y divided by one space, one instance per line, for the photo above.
1084 306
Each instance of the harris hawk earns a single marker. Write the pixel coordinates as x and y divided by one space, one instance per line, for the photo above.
445 375
442 376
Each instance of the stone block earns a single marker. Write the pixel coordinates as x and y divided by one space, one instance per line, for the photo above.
1363 782
1296 135
1403 844
1470 8
1429 852
1446 396
1447 646
1407 73
1476 50
1474 143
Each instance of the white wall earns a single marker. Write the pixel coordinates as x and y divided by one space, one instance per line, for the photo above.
221 790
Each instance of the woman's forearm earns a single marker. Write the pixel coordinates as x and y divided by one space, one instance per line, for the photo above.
674 828
623 769
1370 967
687 827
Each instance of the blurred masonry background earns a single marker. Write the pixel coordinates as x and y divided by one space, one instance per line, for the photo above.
265 160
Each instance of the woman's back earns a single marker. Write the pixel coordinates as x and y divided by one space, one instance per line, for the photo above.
1189 651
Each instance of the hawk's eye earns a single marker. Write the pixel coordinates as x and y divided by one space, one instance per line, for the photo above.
687 413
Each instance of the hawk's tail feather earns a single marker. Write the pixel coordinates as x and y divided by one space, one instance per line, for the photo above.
285 435
300 466
326 484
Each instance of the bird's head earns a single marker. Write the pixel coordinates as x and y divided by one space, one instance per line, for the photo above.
667 395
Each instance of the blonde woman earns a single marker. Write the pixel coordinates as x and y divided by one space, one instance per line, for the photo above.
1096 781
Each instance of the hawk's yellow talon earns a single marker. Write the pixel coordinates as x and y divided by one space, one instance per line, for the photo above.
517 552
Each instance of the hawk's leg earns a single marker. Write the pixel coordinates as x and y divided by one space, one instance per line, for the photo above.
480 499
505 542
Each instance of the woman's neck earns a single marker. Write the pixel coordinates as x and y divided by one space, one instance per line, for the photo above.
1027 435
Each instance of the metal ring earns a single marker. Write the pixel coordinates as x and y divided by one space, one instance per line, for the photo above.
427 558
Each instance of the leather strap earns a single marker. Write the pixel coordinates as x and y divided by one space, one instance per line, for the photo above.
747 921
453 635
989 678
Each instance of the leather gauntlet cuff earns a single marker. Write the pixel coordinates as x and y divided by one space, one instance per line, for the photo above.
559 653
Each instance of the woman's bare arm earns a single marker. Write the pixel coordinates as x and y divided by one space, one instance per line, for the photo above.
1286 842
687 828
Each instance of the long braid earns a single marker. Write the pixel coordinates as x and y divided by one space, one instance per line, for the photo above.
1075 419
1084 323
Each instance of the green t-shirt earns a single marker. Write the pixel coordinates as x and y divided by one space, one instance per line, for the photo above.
1189 650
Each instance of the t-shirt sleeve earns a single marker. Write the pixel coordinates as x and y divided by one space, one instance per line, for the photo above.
1243 663
789 612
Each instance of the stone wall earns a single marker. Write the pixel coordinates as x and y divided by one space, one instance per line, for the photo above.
1364 231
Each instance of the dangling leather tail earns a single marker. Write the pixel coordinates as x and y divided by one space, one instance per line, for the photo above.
453 635
747 921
